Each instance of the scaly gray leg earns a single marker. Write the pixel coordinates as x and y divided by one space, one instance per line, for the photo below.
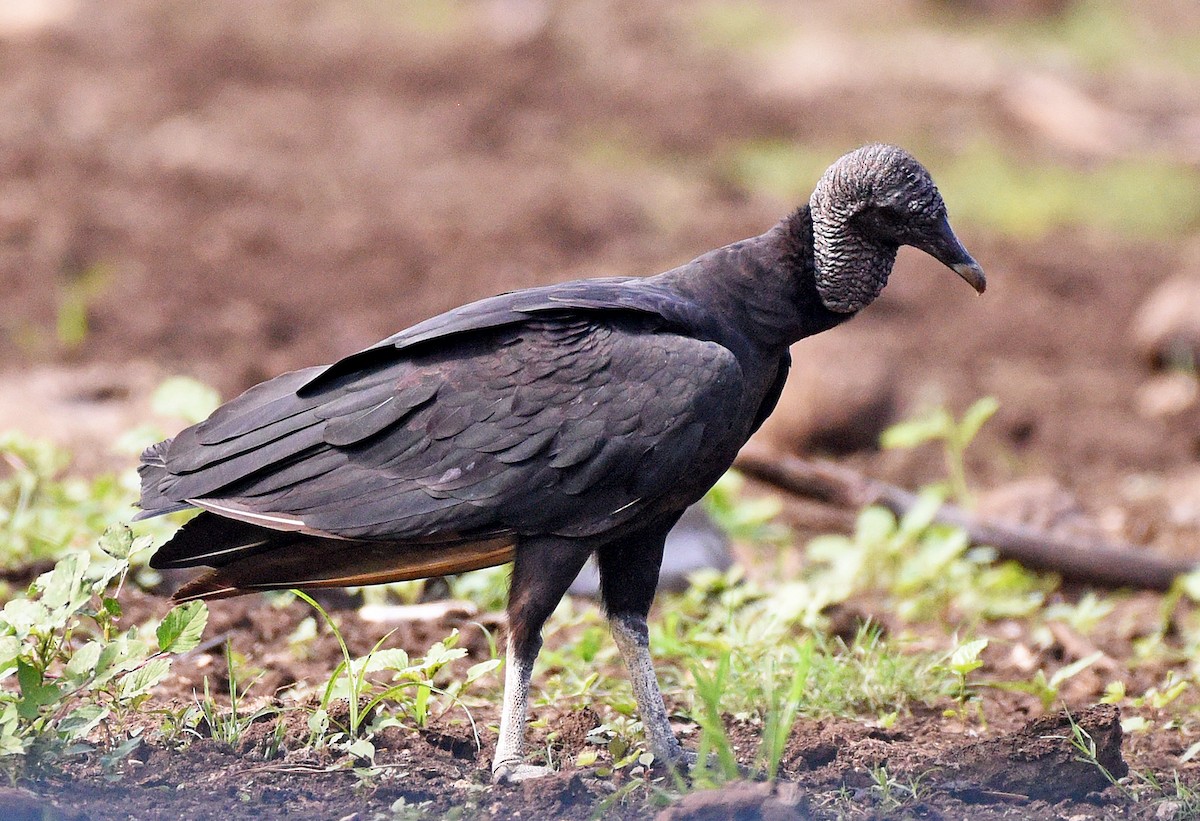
509 763
633 640
628 578
542 571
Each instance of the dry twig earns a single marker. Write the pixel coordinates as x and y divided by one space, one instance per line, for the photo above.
1100 563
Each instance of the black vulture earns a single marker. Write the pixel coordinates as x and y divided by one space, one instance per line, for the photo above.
538 427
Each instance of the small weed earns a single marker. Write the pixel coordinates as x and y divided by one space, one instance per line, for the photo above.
926 571
747 520
1047 689
46 515
77 671
487 588
412 691
715 746
961 662
891 793
1084 616
1176 801
1085 749
75 299
955 436
229 727
623 738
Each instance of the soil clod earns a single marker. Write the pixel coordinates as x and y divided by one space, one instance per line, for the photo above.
1056 757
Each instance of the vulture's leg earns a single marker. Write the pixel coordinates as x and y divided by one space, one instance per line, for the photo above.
628 578
542 572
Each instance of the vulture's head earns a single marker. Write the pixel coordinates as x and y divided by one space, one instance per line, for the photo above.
865 206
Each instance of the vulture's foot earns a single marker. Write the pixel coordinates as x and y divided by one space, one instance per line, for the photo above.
514 772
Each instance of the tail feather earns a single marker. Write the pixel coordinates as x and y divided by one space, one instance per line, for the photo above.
216 541
248 558
153 473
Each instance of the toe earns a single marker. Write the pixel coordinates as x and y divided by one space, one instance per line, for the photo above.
514 772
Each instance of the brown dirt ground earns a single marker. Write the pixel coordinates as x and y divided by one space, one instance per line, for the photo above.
240 189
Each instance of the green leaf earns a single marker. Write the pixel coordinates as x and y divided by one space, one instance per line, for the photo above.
83 663
28 676
362 749
751 512
393 659
318 722
184 398
965 657
34 693
1074 668
442 653
1135 724
481 669
140 545
976 416
121 654
421 704
937 425
1189 583
10 650
140 681
922 514
23 615
63 588
117 541
182 628
875 526
120 752
81 721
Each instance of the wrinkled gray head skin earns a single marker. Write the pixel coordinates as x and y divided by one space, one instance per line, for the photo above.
866 205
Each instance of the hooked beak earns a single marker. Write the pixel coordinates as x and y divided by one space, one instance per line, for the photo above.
972 273
945 247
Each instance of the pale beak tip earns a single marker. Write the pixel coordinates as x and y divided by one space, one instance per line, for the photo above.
973 274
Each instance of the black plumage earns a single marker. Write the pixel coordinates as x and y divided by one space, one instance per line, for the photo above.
542 425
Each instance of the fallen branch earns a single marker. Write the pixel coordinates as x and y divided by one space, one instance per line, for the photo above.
1100 563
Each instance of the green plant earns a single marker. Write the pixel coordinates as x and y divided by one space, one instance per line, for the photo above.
955 436
715 745
76 296
622 737
925 570
411 691
750 520
77 671
1177 802
891 793
487 588
178 399
1047 689
1085 615
230 726
781 711
1085 750
44 514
961 662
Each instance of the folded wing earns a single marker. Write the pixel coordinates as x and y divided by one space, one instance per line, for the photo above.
568 421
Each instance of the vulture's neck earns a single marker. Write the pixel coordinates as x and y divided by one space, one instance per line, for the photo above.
764 286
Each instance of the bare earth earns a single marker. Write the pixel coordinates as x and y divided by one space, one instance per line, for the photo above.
232 191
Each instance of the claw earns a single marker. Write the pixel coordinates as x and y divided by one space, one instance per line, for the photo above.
514 772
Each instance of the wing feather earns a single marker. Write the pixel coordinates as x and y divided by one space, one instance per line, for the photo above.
563 422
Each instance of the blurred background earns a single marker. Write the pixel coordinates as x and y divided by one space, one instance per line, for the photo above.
232 189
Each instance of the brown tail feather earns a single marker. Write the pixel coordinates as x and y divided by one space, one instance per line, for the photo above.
315 564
